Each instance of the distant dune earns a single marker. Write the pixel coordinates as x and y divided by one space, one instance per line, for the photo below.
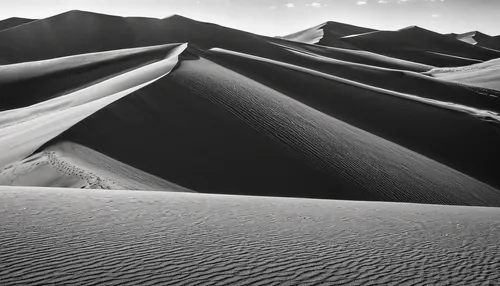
328 34
479 39
70 237
485 75
423 46
13 22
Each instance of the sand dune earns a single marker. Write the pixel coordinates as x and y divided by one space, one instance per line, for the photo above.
145 238
13 22
79 32
479 39
486 75
422 46
328 34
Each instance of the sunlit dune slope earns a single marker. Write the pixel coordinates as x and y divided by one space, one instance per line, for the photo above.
23 130
486 75
77 237
78 32
69 165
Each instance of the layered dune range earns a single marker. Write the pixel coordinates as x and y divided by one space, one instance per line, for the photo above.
237 113
171 108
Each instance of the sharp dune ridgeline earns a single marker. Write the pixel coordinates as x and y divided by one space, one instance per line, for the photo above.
186 127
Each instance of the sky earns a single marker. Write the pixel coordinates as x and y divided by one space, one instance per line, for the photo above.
282 17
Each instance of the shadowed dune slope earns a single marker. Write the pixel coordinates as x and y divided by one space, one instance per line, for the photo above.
327 34
434 131
29 83
13 22
422 46
485 75
69 165
141 238
210 129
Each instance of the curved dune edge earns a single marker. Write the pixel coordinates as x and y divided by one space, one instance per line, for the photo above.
23 130
70 165
72 236
483 114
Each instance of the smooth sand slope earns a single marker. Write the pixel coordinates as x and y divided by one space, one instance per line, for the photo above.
228 133
69 165
23 130
486 75
85 237
422 46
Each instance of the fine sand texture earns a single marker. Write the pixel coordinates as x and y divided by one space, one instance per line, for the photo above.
89 237
68 165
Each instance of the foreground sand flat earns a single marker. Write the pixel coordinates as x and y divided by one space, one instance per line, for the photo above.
87 237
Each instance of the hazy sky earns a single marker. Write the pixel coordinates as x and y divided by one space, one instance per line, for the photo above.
281 17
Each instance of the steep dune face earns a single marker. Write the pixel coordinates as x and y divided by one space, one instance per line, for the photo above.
422 46
13 22
141 238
